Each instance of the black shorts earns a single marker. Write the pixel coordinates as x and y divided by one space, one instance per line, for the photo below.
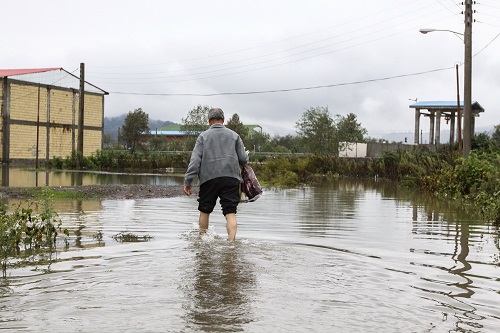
225 188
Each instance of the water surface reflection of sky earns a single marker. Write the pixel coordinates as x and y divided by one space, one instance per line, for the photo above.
347 256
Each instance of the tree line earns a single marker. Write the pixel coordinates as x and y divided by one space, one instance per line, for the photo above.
318 132
475 180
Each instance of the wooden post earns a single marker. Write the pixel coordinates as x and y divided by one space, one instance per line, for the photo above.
37 133
81 116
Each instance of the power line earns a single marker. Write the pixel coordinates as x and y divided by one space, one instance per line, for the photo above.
265 61
284 51
286 90
362 19
487 45
442 4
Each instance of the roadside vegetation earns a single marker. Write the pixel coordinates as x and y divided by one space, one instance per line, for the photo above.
312 155
29 234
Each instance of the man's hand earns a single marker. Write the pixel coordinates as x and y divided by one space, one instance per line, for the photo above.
187 190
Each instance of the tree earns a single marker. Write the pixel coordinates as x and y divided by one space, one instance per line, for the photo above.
292 143
482 142
135 125
495 137
316 128
195 122
236 125
257 141
348 129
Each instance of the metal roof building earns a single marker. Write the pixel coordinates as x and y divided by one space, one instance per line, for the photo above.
436 110
39 115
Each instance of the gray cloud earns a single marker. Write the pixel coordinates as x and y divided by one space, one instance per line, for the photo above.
201 47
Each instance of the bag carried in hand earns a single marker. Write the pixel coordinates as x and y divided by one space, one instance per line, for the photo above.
250 186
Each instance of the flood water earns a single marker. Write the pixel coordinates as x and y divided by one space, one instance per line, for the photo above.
22 177
346 256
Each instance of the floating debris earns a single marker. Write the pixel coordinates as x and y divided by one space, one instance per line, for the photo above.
124 237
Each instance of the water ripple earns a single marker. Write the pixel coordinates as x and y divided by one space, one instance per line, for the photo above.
340 257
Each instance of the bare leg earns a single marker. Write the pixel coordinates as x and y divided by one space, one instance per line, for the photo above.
231 226
203 222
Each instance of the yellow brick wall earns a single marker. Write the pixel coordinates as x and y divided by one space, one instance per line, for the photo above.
60 142
26 148
91 142
24 106
93 111
61 107
24 103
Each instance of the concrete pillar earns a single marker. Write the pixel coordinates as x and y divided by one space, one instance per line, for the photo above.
431 127
417 126
438 127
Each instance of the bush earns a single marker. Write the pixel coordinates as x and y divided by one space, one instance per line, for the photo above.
22 230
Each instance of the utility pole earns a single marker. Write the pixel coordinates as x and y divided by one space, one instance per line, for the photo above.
467 133
79 150
459 116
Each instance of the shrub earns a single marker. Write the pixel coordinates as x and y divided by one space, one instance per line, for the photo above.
22 230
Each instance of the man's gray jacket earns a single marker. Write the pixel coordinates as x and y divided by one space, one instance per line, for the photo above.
219 152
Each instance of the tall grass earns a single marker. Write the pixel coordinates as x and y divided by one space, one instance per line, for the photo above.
474 180
25 235
124 160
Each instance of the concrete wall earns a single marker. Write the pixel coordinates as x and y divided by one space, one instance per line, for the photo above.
353 149
376 149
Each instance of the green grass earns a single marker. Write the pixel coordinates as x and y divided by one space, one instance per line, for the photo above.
52 194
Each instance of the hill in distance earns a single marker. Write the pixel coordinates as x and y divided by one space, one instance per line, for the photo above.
112 124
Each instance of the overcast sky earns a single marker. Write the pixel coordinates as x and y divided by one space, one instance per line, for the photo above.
268 61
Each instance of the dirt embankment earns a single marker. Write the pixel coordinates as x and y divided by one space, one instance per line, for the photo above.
112 191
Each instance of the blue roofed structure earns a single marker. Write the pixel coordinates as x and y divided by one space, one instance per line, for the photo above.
448 110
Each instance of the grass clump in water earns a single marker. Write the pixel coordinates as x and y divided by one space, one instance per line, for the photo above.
26 234
53 194
127 237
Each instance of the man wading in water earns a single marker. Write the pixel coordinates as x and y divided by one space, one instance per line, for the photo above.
216 159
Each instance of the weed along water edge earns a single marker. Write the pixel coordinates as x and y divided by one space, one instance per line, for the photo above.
344 256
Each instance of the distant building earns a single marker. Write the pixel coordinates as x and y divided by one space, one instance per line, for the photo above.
169 132
438 110
39 109
174 132
252 129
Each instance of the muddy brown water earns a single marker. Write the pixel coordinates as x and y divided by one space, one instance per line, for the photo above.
346 256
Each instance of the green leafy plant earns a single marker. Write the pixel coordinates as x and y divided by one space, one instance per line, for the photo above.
23 231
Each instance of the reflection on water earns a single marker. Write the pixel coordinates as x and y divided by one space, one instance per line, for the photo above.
218 285
19 177
347 256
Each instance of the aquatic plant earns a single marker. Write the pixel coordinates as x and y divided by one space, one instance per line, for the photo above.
130 237
98 236
23 230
